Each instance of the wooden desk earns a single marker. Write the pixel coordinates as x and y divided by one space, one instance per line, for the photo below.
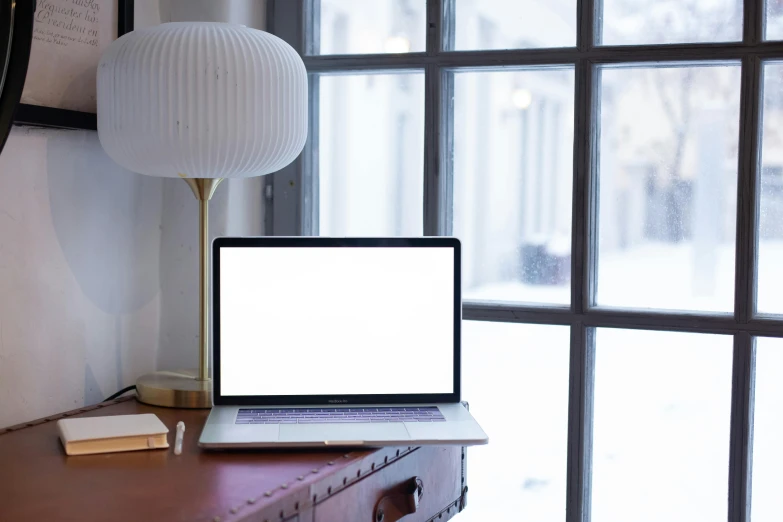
39 482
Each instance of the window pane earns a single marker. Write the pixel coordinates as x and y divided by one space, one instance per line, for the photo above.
520 24
770 251
513 149
774 20
515 378
667 187
371 26
371 155
670 21
661 426
767 502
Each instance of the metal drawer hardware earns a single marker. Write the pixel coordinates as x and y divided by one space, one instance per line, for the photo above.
400 501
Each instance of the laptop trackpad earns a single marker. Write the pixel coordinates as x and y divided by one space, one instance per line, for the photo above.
348 432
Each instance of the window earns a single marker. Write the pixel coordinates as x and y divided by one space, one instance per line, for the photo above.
614 169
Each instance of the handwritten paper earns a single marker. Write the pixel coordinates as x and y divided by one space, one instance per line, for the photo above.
68 38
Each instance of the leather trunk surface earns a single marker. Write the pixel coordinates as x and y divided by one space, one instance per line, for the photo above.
39 482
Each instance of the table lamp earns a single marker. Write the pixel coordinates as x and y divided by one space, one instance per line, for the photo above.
203 102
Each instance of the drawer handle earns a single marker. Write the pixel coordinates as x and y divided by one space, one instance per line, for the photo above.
400 501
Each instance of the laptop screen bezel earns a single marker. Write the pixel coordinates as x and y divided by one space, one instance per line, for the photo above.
330 400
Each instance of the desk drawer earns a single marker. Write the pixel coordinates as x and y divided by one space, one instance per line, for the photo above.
440 470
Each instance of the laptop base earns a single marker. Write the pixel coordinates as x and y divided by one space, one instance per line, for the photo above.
221 431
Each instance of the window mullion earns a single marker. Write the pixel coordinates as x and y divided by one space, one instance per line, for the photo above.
433 224
311 21
741 440
309 187
435 22
437 126
753 21
285 212
580 423
587 24
747 214
582 226
437 129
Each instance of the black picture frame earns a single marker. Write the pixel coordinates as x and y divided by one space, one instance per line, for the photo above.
39 116
16 35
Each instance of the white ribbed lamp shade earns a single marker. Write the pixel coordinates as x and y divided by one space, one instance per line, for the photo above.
202 100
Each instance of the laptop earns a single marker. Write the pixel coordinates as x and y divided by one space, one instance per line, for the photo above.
337 342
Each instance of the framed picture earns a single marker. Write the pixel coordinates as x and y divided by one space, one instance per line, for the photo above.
68 39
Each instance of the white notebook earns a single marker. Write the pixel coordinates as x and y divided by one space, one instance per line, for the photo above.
88 435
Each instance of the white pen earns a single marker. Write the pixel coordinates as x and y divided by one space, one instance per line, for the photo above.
178 439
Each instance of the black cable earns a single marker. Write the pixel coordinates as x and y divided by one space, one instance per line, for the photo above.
124 390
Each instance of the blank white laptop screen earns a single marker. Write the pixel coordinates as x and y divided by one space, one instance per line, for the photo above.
336 320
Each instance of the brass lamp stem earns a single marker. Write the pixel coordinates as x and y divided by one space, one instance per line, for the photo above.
203 189
188 388
203 290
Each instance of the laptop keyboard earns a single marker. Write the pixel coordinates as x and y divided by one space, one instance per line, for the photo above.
330 415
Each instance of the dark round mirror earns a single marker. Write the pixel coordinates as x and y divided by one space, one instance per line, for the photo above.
16 35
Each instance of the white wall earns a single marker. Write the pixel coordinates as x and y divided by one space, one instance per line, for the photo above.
246 12
79 273
98 265
98 271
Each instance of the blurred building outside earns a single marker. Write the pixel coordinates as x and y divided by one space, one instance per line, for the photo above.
666 171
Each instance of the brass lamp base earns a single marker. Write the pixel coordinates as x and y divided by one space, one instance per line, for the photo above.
177 389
